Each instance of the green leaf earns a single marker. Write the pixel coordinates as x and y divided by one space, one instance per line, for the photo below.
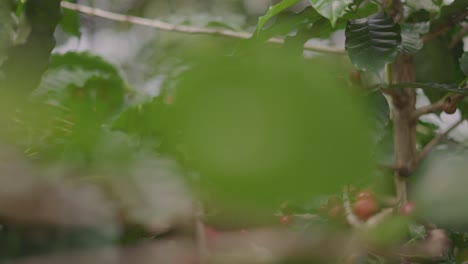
443 67
69 73
28 61
368 9
463 106
411 37
6 28
449 11
286 22
70 22
84 91
447 193
389 232
419 16
141 119
83 60
372 42
266 143
464 63
331 9
55 81
275 10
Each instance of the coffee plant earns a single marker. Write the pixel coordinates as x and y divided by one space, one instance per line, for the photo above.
334 132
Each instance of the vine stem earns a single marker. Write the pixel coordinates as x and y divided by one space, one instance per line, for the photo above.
164 26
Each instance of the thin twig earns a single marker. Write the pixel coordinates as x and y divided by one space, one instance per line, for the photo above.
437 139
401 188
437 106
161 25
459 37
445 27
352 219
432 108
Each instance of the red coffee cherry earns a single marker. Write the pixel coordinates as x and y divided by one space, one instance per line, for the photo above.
365 208
210 232
449 108
286 220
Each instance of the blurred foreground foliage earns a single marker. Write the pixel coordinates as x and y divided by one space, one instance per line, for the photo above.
246 129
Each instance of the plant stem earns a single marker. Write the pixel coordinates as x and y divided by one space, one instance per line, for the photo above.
404 134
164 26
437 139
446 26
437 106
350 217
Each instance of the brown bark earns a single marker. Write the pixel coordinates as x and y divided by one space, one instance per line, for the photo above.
404 102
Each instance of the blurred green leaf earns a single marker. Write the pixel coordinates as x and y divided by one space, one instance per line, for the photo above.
389 232
332 10
372 42
444 66
6 28
84 91
275 10
144 120
19 7
420 15
368 9
286 22
463 106
441 184
56 81
464 63
449 11
74 70
31 58
322 28
269 122
70 22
